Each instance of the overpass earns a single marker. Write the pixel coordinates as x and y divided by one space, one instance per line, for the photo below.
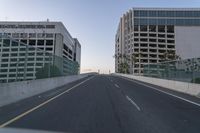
105 103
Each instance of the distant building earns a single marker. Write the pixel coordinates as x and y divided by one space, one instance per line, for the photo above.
45 39
149 33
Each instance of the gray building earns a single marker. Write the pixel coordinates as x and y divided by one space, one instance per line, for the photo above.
149 33
30 44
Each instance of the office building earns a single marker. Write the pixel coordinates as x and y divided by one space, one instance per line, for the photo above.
32 44
149 33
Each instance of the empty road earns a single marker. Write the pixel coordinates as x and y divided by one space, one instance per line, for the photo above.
106 104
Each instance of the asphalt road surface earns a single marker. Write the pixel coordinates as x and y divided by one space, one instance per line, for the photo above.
106 104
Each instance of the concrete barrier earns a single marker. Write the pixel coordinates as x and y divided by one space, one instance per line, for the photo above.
184 87
15 91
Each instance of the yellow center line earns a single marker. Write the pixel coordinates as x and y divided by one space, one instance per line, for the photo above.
42 104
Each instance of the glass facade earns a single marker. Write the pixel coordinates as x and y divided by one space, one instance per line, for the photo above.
179 18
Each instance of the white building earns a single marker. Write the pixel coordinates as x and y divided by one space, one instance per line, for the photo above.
45 39
149 33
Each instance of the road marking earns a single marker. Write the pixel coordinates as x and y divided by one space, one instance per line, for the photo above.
42 104
186 100
130 100
117 86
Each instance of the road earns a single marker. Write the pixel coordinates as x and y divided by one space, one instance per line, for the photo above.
106 104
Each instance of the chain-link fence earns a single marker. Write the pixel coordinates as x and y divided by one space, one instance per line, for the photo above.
20 62
187 70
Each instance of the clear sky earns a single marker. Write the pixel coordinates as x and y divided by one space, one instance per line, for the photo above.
93 22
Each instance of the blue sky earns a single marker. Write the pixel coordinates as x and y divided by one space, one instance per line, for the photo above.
93 22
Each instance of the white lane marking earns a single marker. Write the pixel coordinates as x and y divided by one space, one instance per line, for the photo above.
130 100
117 86
181 98
42 104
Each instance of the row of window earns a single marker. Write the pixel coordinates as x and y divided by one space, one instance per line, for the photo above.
154 28
27 35
153 40
142 13
153 35
153 45
32 42
178 22
11 26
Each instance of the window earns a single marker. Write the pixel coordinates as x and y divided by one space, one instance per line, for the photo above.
22 54
6 42
152 28
170 22
170 46
29 69
170 29
161 40
136 39
4 60
152 45
136 13
170 41
143 39
12 70
152 13
152 35
144 45
152 40
143 13
49 42
29 74
23 35
143 34
15 35
31 54
161 46
14 43
161 28
21 59
144 21
41 35
180 14
5 55
136 44
170 36
32 42
4 65
136 28
161 13
143 28
170 13
24 41
49 49
32 35
40 42
30 59
152 21
161 21
48 35
161 35
14 49
5 50
50 26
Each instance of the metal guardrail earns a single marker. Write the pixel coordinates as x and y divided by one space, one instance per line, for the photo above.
187 70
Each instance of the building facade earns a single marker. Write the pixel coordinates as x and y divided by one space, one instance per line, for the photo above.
31 45
148 34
